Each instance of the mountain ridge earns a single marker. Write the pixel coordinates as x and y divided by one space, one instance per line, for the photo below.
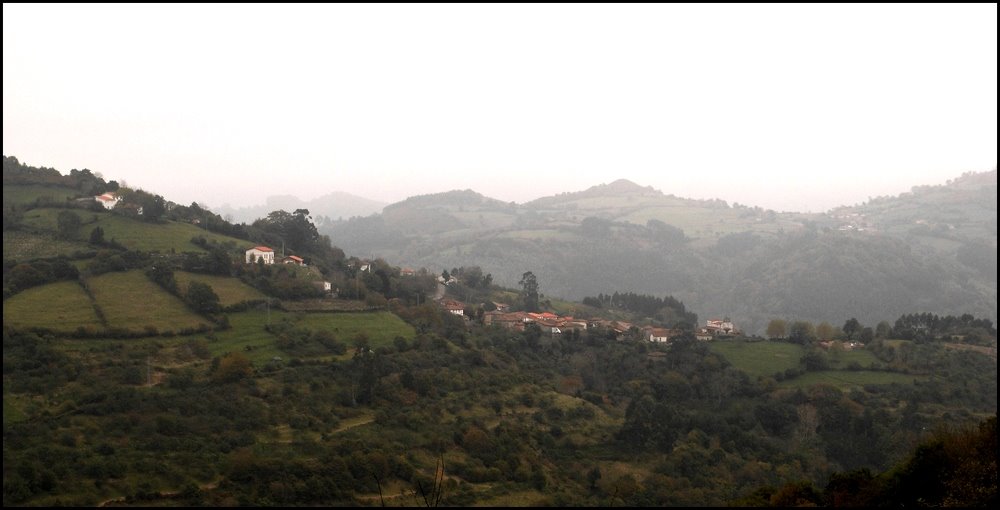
872 260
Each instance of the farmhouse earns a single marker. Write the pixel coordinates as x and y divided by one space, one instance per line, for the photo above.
720 327
260 253
292 259
108 200
455 307
659 335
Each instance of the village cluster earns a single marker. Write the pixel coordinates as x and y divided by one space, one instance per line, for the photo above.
556 324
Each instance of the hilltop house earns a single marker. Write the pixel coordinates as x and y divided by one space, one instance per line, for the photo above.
108 200
659 335
292 259
455 307
260 253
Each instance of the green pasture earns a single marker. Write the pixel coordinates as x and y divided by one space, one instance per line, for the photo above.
846 379
131 301
230 290
11 412
59 306
132 233
760 358
381 328
21 246
20 194
247 335
844 358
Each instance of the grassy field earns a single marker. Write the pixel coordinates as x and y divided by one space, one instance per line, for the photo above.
380 327
60 306
859 356
845 379
27 193
131 301
759 358
248 336
229 290
19 245
131 233
11 413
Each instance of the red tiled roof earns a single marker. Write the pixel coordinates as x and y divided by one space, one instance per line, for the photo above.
261 248
295 258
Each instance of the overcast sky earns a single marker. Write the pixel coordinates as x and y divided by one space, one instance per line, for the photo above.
789 107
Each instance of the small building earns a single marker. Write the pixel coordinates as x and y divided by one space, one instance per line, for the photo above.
108 200
660 335
454 307
260 253
292 259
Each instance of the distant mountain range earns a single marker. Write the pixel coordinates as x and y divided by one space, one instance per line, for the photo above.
325 209
932 249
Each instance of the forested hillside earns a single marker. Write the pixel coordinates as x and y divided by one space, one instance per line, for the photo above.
933 249
150 360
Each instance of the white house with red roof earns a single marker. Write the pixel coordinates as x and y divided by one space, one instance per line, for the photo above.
260 253
292 259
109 200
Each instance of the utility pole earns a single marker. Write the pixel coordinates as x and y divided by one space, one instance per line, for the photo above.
149 373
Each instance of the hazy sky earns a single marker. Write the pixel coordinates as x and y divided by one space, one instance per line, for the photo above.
790 107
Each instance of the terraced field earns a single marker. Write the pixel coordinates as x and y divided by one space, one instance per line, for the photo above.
381 328
845 379
164 237
60 306
20 245
131 301
230 290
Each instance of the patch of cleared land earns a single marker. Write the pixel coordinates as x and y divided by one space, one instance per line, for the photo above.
131 301
759 358
59 306
230 290
381 328
132 233
247 335
27 193
845 379
20 245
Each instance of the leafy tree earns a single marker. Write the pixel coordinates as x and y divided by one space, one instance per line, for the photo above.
815 360
529 291
163 276
776 328
294 229
802 332
202 298
97 236
231 367
883 330
67 223
825 331
866 335
593 476
851 328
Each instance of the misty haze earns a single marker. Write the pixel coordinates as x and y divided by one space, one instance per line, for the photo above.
500 255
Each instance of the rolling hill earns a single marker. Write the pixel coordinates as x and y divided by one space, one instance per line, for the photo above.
933 249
